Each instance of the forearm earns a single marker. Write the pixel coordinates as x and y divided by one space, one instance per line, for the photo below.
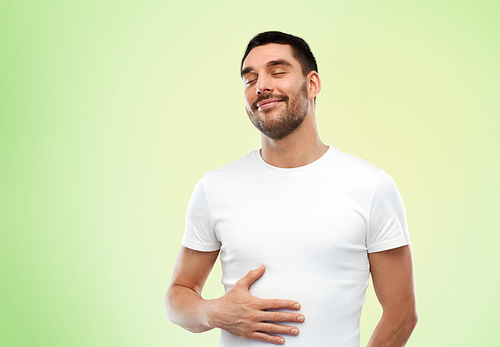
237 311
393 331
186 308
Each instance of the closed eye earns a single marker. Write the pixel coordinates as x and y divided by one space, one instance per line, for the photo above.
250 81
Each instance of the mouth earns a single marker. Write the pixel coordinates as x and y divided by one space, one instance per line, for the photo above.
268 103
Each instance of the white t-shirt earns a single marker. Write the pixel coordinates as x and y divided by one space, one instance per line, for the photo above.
311 226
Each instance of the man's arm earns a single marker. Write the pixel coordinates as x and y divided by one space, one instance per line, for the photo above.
183 299
392 275
237 311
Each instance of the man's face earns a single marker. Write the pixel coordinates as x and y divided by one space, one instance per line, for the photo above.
275 90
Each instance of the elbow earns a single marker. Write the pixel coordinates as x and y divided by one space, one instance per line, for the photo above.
413 320
167 307
179 314
402 322
409 322
412 317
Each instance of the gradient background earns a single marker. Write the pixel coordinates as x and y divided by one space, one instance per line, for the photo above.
112 111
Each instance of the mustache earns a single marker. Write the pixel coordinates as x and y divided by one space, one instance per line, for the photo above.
263 97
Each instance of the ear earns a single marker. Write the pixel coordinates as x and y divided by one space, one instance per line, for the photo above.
314 85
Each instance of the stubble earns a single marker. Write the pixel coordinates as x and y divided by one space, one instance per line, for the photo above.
278 125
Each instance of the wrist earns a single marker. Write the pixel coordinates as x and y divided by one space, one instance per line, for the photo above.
211 314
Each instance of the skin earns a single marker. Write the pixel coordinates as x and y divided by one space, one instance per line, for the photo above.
392 276
303 146
292 112
236 311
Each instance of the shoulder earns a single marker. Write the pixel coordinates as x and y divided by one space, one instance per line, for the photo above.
355 168
234 171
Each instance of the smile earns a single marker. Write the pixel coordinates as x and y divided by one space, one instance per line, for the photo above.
268 103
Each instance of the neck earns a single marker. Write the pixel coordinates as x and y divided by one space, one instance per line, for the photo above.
300 148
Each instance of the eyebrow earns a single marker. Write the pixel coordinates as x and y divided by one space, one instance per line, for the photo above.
269 64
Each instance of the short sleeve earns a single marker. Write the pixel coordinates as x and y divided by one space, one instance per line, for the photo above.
387 228
199 233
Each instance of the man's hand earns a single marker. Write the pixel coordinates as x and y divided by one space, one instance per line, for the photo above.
244 315
237 311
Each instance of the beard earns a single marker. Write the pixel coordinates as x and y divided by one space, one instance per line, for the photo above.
283 123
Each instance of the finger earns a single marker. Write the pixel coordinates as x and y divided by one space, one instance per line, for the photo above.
282 317
277 329
257 335
273 304
252 276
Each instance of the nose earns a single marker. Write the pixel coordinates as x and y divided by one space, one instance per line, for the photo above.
263 85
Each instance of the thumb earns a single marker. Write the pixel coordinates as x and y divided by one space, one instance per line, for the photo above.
252 276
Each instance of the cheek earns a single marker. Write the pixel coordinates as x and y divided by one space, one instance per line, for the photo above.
291 87
249 98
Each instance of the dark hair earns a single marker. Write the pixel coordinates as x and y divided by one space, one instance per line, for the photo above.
300 48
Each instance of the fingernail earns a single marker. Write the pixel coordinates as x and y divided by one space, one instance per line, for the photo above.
296 306
295 331
300 318
281 341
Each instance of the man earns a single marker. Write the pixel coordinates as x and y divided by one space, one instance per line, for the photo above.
299 226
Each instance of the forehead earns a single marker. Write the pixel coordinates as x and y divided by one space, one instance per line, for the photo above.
260 55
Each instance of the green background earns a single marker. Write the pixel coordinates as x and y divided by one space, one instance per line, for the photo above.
112 111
